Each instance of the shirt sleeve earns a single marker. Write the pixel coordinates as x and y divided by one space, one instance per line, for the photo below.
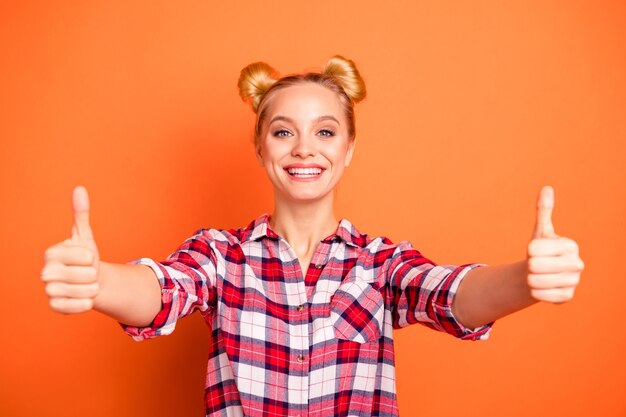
422 292
187 279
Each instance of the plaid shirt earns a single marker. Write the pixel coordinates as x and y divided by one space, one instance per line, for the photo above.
287 345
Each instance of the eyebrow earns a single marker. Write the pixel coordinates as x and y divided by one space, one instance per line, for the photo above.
319 119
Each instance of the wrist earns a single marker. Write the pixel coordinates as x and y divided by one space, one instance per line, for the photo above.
102 269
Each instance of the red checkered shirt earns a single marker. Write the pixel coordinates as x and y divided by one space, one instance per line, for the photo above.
287 345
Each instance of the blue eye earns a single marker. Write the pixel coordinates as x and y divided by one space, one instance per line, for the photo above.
282 133
326 133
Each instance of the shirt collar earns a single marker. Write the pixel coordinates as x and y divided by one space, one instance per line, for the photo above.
348 233
260 227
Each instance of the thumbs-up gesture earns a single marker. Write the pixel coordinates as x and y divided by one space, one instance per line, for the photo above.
554 266
70 268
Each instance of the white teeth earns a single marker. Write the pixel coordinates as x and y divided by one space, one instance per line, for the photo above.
307 172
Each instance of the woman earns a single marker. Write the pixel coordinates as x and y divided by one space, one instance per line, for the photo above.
302 306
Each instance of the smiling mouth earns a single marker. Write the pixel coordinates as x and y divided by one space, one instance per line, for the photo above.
304 172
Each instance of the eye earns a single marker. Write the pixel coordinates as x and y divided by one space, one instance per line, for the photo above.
326 133
281 133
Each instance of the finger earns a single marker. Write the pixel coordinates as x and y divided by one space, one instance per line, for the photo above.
552 247
56 272
80 206
545 205
554 264
555 295
69 255
63 290
71 305
548 281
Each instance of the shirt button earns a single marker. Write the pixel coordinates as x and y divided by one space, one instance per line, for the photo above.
300 307
318 266
300 358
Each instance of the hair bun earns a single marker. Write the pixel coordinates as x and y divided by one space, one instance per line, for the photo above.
254 81
347 76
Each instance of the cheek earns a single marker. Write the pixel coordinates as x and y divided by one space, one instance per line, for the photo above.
271 155
339 156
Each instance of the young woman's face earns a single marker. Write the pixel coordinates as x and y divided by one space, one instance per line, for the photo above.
304 144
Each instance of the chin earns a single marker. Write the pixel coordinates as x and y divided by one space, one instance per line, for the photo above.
304 197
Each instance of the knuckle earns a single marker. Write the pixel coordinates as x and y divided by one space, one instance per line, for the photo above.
86 255
575 264
51 289
56 304
535 246
565 295
562 298
49 254
52 271
70 306
45 275
571 245
82 305
92 290
571 292
84 275
533 281
91 273
572 282
87 304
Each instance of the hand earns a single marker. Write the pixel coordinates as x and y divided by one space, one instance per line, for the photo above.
70 268
554 266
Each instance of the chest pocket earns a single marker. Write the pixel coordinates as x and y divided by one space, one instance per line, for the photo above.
357 311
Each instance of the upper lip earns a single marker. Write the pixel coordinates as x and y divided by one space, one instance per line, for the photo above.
301 165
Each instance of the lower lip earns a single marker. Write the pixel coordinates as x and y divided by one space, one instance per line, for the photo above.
304 179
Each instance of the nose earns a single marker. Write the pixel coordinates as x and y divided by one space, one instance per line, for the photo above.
303 146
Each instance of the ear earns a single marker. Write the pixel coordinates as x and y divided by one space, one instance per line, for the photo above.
257 152
350 152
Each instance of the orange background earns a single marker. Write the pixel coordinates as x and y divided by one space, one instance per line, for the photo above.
472 106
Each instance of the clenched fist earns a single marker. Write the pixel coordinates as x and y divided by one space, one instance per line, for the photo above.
70 268
554 266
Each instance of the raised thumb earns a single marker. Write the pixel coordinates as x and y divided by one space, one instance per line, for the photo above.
81 229
545 205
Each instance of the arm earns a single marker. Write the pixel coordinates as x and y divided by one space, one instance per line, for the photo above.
130 294
550 273
491 292
76 280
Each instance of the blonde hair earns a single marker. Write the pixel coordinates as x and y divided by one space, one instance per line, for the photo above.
258 81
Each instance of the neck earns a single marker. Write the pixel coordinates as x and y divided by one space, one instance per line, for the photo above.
304 225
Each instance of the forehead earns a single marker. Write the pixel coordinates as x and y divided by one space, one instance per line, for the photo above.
304 102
